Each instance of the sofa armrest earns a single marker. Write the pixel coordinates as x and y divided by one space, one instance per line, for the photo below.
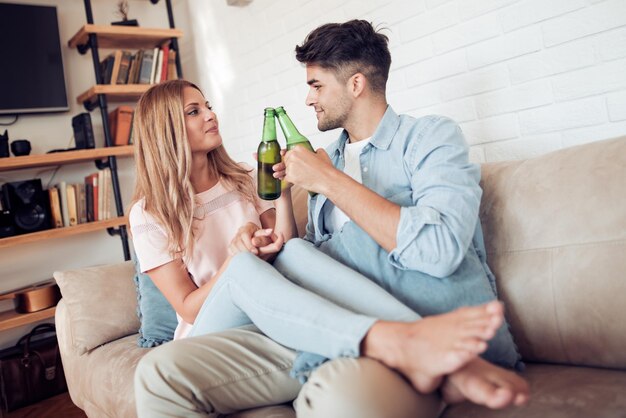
100 305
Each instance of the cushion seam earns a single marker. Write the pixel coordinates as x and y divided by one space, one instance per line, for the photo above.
555 247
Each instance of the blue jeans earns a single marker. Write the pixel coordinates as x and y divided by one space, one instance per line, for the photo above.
318 310
468 285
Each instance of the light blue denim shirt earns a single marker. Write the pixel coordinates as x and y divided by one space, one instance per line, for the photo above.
422 165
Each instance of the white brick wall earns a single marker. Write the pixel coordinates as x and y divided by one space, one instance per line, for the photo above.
522 77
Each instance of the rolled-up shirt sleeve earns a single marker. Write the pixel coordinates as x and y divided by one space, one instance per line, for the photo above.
434 233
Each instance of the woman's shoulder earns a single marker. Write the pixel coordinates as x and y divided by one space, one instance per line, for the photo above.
138 215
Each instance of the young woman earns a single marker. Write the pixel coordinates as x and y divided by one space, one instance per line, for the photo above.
203 237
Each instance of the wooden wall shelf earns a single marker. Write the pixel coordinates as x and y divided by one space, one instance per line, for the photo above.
12 319
114 92
62 232
131 37
67 157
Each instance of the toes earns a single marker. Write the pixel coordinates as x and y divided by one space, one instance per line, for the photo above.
474 346
500 398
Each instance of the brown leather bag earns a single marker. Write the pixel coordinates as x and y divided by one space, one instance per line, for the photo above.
32 370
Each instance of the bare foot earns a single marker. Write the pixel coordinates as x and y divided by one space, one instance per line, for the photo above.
426 350
485 384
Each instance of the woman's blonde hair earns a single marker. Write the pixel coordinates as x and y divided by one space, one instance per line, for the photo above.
163 161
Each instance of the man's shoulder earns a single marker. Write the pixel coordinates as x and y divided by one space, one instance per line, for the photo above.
426 122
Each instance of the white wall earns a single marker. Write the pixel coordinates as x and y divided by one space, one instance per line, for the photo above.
522 77
31 263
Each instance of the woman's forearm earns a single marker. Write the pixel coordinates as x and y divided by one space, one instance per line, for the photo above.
285 220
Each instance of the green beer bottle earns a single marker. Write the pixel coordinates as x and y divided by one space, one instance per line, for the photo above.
268 154
293 136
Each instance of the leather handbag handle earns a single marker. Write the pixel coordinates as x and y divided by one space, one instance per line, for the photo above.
38 330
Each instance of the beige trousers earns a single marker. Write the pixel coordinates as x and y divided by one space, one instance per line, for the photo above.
237 371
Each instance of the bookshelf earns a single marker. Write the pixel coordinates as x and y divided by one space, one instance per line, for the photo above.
90 38
132 37
114 92
12 319
61 158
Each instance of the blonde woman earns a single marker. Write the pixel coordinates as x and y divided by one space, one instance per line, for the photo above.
203 236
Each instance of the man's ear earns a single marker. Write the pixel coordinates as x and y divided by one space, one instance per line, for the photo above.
357 84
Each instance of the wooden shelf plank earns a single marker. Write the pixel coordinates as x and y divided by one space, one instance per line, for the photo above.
12 319
68 157
114 92
124 36
62 232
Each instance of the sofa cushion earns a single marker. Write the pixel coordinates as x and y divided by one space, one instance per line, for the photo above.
156 315
555 234
560 392
101 304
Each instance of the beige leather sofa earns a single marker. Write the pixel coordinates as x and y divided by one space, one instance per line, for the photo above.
555 231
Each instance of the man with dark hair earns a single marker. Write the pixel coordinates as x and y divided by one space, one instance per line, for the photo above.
398 199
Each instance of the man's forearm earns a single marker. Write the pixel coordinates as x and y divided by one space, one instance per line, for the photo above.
373 213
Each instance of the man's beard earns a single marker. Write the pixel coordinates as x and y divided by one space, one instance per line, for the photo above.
335 122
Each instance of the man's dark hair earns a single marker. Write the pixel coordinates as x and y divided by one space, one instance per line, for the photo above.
348 48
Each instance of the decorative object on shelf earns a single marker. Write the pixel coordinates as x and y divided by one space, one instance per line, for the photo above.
20 147
31 370
122 11
36 297
4 144
27 203
83 131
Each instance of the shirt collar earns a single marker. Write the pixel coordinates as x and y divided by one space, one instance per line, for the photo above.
382 137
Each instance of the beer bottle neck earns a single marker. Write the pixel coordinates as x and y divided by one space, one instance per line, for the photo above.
292 134
269 129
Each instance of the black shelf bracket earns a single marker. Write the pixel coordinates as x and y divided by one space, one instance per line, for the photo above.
114 231
83 48
102 164
90 105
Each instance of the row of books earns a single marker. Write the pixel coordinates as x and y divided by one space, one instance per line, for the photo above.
79 203
146 66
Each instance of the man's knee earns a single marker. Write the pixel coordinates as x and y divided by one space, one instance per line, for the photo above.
362 388
149 371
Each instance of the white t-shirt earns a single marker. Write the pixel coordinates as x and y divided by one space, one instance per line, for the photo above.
352 152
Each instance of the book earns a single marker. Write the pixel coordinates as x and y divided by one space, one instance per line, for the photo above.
159 67
71 205
172 71
119 123
62 186
106 68
135 67
81 203
146 67
125 60
155 56
91 184
55 207
89 201
117 61
100 175
164 61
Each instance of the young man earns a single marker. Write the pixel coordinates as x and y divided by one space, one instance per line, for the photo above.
239 369
397 198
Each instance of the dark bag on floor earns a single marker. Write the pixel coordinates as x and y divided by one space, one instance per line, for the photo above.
32 370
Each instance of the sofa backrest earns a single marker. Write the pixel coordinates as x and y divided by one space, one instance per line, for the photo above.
555 233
